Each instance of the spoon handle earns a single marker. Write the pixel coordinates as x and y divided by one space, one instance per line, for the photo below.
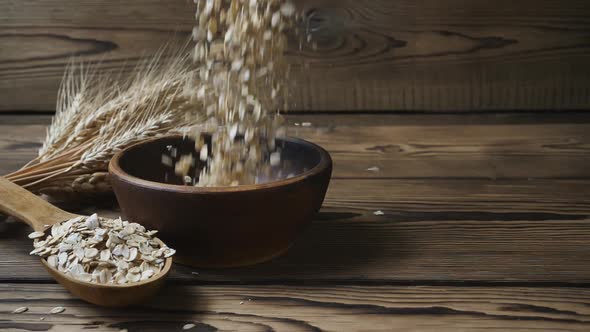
33 210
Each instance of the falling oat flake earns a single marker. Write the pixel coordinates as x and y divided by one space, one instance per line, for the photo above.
188 326
373 169
379 213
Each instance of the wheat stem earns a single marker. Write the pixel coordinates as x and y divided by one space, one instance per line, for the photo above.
41 172
32 162
24 182
43 165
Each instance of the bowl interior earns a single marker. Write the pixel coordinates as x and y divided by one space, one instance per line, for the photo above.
144 160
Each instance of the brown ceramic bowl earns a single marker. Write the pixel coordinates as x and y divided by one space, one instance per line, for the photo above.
221 227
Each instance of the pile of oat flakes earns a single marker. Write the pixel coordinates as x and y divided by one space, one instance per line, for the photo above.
100 250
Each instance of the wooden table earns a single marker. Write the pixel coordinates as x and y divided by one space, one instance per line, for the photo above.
486 226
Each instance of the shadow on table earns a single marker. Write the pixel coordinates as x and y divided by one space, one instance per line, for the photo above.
172 308
340 244
10 228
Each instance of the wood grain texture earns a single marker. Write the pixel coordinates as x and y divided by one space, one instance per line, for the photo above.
466 150
432 55
20 140
432 230
456 223
418 146
288 308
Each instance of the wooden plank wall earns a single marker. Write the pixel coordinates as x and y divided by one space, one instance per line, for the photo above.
373 55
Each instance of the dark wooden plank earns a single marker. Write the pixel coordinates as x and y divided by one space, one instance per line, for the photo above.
468 150
432 230
417 146
436 228
20 139
283 308
401 55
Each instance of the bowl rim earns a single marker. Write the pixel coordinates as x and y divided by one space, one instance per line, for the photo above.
116 170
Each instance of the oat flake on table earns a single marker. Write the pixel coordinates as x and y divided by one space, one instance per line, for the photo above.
57 310
188 326
20 310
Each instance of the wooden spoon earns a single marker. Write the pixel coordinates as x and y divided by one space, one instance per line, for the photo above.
40 215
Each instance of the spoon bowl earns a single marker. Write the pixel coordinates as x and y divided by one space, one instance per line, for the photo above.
111 295
41 215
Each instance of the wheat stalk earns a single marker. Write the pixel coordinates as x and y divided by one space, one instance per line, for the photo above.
98 115
81 92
